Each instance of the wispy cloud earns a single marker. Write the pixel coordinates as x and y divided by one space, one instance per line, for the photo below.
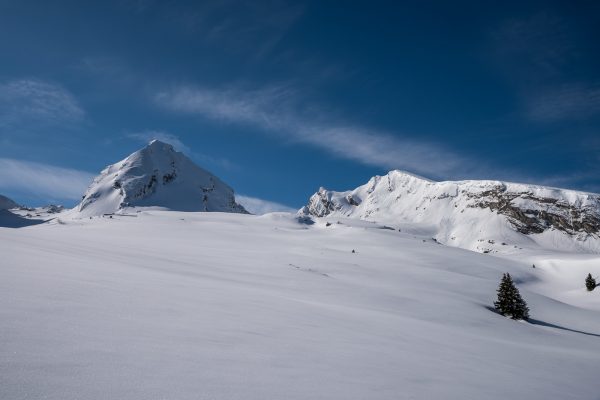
540 55
583 180
259 206
568 101
42 180
252 28
534 48
262 107
148 136
110 72
205 160
274 110
34 101
259 23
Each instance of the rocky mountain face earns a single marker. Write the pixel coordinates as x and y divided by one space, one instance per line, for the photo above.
157 176
530 212
471 214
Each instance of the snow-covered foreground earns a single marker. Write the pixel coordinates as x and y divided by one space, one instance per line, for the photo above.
172 305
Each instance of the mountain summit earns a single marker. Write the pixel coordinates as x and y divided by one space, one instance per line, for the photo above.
157 176
486 216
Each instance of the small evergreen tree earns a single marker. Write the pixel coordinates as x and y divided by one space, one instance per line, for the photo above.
590 283
510 303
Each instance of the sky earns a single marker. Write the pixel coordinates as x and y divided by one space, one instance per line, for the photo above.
278 98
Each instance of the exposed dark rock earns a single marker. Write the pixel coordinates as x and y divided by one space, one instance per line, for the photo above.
169 177
355 201
320 204
558 215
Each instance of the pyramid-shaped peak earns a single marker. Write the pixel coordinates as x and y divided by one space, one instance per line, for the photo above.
157 176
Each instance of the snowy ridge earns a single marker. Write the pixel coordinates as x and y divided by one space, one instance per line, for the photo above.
486 216
157 176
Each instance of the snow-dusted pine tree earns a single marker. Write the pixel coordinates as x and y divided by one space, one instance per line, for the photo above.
510 303
590 283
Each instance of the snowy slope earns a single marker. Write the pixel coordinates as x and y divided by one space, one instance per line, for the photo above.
6 203
156 176
173 305
485 216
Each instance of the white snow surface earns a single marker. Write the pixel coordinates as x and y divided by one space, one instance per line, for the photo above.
457 214
180 305
156 176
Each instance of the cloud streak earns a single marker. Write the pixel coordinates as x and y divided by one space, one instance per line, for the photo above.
252 28
34 101
569 101
148 136
270 110
42 180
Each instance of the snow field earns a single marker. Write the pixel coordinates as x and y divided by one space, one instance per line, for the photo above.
174 305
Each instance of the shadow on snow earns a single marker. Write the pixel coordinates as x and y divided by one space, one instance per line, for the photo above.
534 321
10 220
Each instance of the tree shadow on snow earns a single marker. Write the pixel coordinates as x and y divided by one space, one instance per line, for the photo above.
10 220
534 321
549 325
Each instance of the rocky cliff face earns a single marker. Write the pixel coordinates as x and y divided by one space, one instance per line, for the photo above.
157 176
467 213
531 213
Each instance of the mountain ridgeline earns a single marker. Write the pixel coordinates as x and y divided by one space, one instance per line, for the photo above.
157 176
479 215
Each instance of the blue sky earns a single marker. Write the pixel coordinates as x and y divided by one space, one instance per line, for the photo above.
278 98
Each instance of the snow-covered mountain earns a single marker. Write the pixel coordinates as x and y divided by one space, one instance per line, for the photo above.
157 176
486 216
6 203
